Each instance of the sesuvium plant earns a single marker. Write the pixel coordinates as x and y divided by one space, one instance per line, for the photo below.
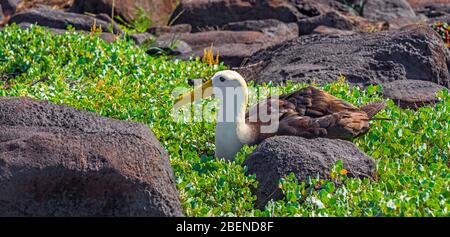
121 81
140 24
443 29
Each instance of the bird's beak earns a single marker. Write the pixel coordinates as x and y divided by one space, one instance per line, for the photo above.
203 91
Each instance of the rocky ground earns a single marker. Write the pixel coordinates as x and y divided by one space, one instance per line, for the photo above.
387 42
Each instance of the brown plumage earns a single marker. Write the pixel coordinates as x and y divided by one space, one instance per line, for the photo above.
312 113
308 113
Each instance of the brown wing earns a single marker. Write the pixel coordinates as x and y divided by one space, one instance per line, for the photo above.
312 113
308 101
315 103
341 125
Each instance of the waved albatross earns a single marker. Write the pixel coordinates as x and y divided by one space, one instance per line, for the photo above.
308 112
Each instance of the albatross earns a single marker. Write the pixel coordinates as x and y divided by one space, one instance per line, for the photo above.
308 112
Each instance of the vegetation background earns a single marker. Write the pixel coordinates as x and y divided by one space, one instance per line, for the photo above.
121 81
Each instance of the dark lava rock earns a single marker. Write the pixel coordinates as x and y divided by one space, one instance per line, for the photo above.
157 10
412 93
274 31
237 41
198 13
104 17
61 20
421 3
331 19
8 6
415 52
233 46
324 6
401 22
59 161
331 30
268 26
176 29
385 10
436 12
205 39
277 157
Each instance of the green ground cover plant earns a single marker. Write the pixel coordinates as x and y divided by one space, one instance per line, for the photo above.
120 81
140 25
443 29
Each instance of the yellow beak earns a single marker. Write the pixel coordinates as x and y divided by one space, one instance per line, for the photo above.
203 91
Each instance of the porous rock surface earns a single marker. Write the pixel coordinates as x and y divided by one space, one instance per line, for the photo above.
280 156
59 161
415 52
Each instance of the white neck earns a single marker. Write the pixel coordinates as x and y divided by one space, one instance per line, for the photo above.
232 132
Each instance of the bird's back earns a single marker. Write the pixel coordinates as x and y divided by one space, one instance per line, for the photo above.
312 113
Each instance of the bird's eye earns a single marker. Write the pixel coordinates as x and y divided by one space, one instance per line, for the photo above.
222 79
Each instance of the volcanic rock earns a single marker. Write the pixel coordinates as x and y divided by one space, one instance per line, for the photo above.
158 11
59 19
412 93
280 156
59 161
198 13
416 52
385 10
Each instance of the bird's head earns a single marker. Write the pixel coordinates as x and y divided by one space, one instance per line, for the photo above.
228 79
221 80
